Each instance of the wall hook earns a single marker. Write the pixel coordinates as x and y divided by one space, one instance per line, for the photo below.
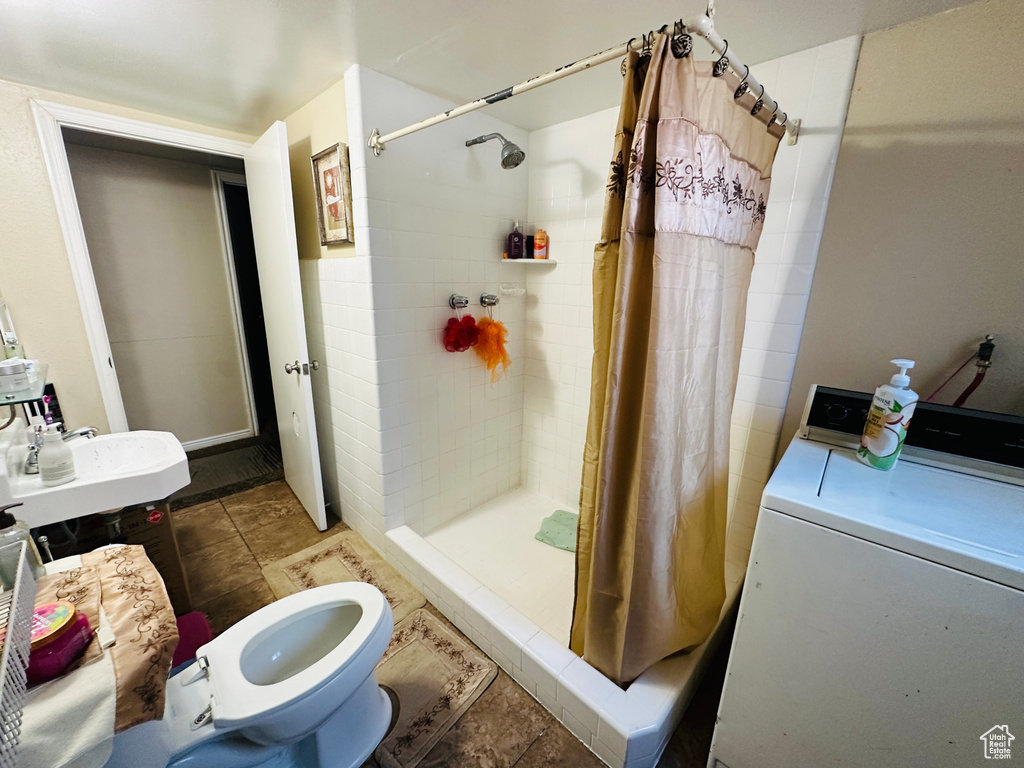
489 301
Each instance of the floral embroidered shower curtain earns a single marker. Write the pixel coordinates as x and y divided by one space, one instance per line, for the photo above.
684 209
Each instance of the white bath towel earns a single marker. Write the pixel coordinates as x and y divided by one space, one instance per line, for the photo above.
69 722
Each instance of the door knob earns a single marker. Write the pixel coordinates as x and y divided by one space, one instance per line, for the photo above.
314 364
293 368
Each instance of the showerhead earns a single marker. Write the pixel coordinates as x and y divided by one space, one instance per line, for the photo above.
511 154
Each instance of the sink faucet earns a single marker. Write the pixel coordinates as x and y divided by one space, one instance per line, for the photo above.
32 459
89 432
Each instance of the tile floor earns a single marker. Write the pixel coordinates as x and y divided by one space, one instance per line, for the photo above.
224 544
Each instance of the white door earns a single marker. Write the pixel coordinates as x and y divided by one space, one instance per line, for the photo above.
277 258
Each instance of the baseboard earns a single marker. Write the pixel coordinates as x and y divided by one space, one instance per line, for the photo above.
227 437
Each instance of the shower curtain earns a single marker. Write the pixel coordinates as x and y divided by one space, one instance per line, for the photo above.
683 213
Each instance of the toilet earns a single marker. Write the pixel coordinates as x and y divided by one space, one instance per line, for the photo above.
289 686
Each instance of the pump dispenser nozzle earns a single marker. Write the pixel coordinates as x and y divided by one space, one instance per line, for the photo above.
901 379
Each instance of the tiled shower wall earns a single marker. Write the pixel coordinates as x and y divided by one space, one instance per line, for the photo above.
337 302
568 166
568 171
437 212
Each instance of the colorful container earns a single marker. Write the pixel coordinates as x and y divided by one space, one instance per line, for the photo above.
59 636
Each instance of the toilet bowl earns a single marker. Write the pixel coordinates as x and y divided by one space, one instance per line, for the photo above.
290 685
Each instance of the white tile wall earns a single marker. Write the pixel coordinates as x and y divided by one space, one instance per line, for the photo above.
813 85
436 214
339 323
568 167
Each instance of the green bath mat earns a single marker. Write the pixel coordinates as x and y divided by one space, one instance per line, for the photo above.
559 530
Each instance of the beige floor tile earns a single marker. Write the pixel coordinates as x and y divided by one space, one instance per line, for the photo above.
496 731
220 568
229 609
557 748
262 505
202 525
284 536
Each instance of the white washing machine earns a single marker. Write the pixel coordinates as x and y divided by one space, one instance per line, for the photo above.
882 618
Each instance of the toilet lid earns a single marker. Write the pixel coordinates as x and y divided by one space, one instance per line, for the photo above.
266 661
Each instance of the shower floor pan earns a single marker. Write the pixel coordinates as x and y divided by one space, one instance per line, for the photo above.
625 728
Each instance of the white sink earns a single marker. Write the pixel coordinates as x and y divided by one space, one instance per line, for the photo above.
112 471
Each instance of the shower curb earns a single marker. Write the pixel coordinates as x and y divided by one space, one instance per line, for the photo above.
624 728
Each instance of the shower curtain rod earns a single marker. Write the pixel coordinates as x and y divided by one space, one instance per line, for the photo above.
701 25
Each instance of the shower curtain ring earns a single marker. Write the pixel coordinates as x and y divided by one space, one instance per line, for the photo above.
742 87
771 120
645 52
785 119
758 104
722 64
682 42
629 45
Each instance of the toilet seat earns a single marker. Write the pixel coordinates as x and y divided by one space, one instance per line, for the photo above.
287 651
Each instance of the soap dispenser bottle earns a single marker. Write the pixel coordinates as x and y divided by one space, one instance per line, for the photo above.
889 417
12 532
56 464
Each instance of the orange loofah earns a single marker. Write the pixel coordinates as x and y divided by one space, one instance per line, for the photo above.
491 346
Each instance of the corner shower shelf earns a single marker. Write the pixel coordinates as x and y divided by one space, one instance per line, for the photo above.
552 262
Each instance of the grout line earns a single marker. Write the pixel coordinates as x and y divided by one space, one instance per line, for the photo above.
530 745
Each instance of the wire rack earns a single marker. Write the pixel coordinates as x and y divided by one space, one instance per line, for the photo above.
16 607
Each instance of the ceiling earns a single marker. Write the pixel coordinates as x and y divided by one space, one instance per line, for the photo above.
240 64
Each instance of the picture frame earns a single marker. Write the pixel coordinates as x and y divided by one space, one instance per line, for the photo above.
332 183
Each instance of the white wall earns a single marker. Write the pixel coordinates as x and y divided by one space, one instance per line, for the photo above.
568 167
49 322
921 251
155 242
437 213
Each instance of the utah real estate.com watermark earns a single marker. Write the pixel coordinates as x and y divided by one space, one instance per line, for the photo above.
997 742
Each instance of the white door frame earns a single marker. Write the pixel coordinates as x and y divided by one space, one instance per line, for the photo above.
50 118
220 178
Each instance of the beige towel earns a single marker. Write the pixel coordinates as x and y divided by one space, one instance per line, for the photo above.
135 601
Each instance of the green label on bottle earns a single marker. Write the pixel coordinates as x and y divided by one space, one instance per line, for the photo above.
884 434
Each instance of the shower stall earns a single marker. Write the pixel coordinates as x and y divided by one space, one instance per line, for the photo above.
469 469
450 475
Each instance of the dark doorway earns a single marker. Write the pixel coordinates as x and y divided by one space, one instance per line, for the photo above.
236 201
232 467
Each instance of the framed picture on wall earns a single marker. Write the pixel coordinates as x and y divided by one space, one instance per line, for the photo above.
333 184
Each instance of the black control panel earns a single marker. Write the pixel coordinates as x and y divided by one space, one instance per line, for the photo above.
995 437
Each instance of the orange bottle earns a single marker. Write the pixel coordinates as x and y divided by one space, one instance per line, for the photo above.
540 244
